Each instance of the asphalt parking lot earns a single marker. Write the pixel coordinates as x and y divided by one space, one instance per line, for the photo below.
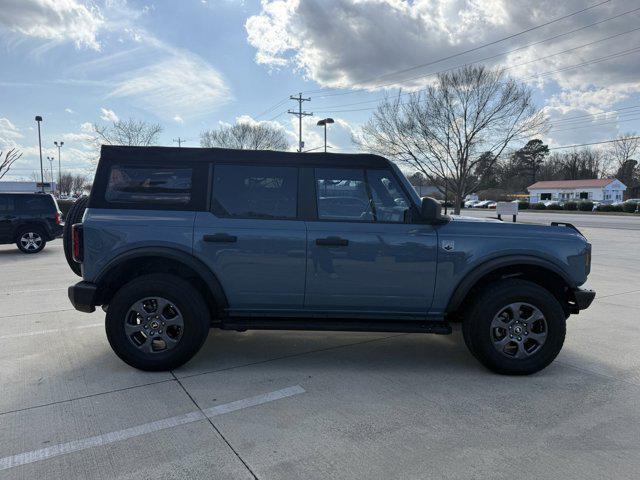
305 405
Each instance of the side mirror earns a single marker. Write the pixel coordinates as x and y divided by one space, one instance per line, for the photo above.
430 209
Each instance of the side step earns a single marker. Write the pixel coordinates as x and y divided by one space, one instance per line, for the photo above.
333 325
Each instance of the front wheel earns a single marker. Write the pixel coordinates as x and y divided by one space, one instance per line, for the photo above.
157 322
514 327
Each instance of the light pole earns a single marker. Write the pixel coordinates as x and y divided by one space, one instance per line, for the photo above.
59 145
323 123
51 159
38 120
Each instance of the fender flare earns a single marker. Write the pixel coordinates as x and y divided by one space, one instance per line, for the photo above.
470 279
208 277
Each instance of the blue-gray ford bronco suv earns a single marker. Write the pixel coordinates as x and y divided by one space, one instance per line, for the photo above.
173 241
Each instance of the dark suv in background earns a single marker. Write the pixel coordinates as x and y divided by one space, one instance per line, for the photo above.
29 220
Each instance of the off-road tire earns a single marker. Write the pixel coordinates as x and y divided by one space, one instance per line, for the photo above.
74 215
35 231
186 298
489 302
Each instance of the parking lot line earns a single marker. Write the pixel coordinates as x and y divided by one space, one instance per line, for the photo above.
111 437
53 330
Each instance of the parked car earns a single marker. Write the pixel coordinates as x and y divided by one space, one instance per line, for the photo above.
483 204
471 203
29 220
175 240
493 205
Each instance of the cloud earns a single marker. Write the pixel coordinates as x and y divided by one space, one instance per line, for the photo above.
108 115
9 134
55 20
181 81
178 119
68 110
347 43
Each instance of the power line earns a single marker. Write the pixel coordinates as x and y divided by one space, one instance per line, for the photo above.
480 46
272 108
592 143
596 60
299 114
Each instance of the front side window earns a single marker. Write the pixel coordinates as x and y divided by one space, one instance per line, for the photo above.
389 200
252 191
6 204
152 185
342 195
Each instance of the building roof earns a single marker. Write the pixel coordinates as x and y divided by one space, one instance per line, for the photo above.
588 183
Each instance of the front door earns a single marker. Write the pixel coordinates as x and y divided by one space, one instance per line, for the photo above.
7 218
252 238
362 256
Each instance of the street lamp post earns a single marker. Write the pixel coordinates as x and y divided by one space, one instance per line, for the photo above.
59 145
38 120
51 159
324 123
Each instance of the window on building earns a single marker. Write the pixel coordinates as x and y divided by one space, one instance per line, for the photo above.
251 191
545 196
154 185
584 195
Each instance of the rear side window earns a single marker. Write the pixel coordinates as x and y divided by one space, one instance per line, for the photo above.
6 204
149 185
35 203
251 191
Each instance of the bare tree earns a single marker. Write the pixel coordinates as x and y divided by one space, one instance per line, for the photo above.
621 154
79 184
128 132
245 136
66 183
9 159
467 116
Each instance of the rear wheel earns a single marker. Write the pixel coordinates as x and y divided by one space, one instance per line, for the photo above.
73 216
157 322
514 327
30 240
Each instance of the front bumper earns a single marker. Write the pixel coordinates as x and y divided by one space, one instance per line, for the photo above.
583 298
83 295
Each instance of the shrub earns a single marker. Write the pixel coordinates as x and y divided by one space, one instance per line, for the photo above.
629 207
64 206
539 206
585 206
571 206
523 205
555 206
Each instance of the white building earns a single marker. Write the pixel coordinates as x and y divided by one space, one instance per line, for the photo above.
26 187
605 190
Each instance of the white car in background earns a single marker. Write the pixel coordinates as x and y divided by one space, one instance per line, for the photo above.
483 204
471 203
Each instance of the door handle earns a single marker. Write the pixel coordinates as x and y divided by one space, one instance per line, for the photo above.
332 241
220 238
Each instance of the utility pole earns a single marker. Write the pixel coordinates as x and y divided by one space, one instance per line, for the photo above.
179 141
300 114
51 160
59 145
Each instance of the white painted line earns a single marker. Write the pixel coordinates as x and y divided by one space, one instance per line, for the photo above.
44 332
107 438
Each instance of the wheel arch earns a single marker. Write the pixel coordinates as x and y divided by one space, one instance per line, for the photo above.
538 270
142 261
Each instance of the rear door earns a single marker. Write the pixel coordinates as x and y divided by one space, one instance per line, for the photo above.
252 237
362 256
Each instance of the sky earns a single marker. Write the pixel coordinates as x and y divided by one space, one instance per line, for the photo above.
193 65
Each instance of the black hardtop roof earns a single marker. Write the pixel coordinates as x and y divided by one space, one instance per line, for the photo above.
152 155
